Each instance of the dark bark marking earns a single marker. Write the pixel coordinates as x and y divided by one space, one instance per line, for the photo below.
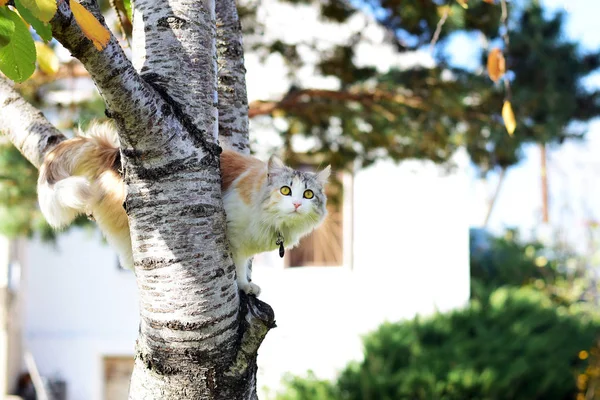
116 72
154 363
231 297
155 174
9 101
166 110
154 263
198 136
188 326
198 210
160 339
82 46
201 357
52 141
131 153
171 22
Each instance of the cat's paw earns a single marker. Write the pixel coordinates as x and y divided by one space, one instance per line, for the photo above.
251 288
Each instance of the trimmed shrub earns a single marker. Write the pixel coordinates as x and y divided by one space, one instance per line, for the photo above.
516 344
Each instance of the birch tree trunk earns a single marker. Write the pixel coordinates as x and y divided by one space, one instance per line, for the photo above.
198 336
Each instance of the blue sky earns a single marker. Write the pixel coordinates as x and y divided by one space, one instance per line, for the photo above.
574 169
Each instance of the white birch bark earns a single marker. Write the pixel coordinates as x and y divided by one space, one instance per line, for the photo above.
233 99
198 337
25 126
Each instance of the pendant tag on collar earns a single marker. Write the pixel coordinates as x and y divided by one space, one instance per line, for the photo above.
279 242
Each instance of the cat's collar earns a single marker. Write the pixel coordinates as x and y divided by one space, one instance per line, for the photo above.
279 243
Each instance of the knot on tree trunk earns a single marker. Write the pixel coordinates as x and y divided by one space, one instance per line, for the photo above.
256 319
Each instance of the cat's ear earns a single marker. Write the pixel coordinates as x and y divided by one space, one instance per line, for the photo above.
275 164
323 176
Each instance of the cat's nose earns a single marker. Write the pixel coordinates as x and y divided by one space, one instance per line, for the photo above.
297 204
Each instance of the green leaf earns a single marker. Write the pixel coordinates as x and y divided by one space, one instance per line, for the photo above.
42 28
43 10
17 58
7 27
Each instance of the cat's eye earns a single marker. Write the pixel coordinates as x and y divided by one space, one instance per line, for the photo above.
308 194
285 190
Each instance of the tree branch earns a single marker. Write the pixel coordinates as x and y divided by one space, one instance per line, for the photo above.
123 90
167 38
233 99
25 126
259 318
297 98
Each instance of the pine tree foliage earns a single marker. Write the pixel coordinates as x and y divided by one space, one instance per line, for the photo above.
429 112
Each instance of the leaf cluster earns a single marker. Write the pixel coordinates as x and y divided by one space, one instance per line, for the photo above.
20 48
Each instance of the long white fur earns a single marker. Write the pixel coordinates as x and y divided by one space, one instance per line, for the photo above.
252 228
62 202
77 177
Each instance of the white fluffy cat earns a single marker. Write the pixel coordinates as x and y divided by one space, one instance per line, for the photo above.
268 205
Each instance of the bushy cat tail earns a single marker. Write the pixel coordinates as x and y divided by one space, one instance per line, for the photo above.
64 200
67 184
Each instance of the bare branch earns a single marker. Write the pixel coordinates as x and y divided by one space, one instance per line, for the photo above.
25 125
258 320
438 28
233 100
297 98
492 202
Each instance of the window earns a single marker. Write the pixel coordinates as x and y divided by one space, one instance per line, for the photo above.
324 247
117 373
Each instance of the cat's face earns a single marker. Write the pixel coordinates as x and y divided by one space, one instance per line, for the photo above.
295 197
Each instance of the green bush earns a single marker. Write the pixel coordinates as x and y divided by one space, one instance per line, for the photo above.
516 344
526 334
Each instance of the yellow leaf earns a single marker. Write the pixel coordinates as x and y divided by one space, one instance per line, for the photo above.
496 64
90 26
47 60
463 3
443 10
277 113
509 118
43 10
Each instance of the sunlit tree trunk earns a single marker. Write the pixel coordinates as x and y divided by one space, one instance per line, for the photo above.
198 336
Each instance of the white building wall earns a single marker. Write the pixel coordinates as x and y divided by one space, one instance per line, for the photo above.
79 306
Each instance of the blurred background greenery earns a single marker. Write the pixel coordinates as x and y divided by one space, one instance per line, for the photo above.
530 331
